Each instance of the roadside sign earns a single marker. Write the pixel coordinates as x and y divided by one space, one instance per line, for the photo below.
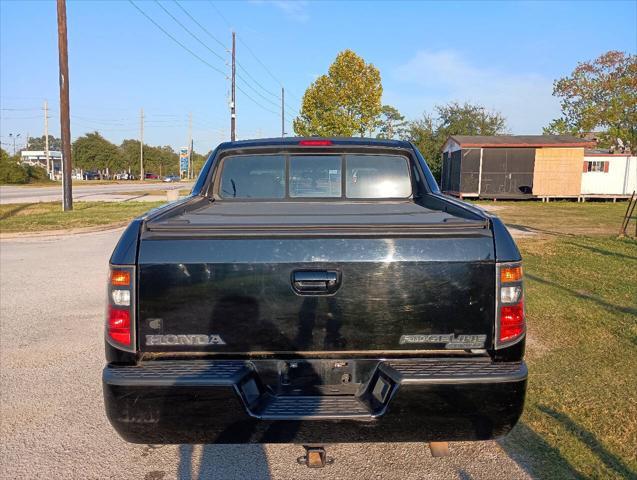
183 160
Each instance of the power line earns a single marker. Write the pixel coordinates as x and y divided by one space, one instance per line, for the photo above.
213 52
265 67
258 93
19 118
189 50
177 41
189 32
249 97
260 62
220 14
253 54
201 26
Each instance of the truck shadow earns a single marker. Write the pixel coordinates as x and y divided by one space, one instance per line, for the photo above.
611 461
536 456
541 460
602 251
222 462
529 229
585 295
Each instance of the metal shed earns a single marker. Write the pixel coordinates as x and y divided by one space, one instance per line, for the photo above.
513 166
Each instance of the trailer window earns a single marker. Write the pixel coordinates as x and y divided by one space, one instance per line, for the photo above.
377 176
253 176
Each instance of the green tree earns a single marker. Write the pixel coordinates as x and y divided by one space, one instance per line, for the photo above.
38 143
391 123
129 150
430 132
94 152
345 102
10 170
600 94
198 161
559 126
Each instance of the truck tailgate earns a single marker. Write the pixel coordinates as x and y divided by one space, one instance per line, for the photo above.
257 294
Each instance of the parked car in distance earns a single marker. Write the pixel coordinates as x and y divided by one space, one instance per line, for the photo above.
151 176
91 176
124 176
314 291
172 178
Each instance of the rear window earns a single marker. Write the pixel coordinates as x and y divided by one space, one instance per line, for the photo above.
377 176
315 176
253 176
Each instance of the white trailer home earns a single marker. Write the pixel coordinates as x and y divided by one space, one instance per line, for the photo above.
610 175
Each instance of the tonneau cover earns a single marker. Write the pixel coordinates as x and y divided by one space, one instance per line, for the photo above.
305 213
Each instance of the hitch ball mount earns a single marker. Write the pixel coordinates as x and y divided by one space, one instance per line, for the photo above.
315 457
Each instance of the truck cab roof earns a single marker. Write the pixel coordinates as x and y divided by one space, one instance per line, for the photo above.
294 141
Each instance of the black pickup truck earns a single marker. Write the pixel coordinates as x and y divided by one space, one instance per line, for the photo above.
314 291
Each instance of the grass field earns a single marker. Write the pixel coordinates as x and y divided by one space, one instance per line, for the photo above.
561 218
34 217
51 183
580 419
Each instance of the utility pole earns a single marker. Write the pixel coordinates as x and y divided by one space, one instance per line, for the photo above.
65 118
282 112
11 135
192 167
141 145
46 138
233 105
190 145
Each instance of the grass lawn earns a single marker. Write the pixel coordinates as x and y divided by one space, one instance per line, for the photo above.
51 183
580 419
33 217
589 218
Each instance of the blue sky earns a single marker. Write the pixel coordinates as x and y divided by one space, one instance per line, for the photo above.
502 55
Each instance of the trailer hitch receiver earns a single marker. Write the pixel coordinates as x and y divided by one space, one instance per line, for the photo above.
315 457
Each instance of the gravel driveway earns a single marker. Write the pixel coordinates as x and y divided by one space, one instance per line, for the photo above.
52 293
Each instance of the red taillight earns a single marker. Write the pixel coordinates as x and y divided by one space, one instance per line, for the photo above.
511 321
315 143
119 325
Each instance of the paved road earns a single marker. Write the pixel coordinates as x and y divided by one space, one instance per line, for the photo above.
84 192
52 421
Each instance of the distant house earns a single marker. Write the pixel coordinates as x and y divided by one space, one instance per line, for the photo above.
513 166
37 158
606 174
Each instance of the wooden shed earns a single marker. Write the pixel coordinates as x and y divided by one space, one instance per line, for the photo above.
606 174
513 166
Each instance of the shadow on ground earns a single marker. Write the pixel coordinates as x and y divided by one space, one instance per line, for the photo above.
542 460
602 251
585 295
611 461
222 461
536 456
14 211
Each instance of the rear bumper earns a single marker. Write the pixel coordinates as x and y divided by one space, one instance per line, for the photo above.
227 402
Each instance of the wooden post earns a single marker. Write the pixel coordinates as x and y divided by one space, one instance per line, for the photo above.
233 104
65 119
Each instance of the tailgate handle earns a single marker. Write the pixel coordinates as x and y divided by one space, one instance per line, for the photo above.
315 282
